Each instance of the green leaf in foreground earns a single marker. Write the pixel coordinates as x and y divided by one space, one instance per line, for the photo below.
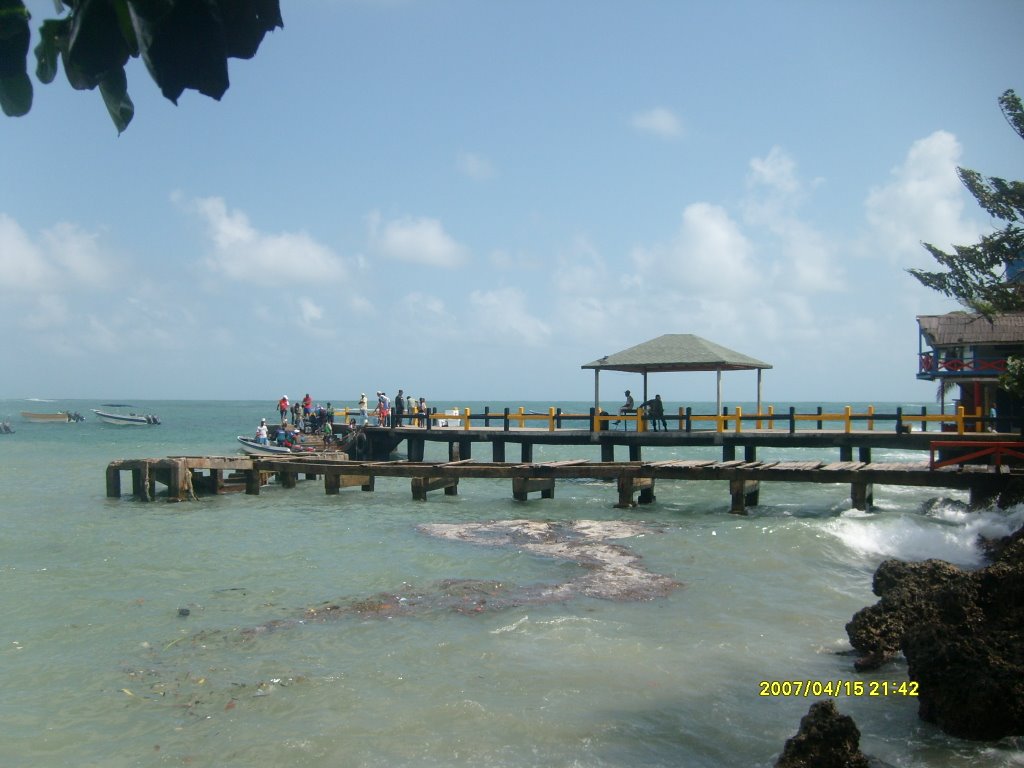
114 89
15 95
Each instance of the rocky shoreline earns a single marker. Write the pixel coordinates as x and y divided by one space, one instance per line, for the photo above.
962 635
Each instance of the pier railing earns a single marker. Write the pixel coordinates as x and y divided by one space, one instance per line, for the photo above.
735 421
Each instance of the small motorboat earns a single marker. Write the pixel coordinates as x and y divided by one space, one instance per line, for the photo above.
255 448
130 419
60 417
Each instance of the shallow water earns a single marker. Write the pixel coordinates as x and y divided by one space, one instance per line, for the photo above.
101 670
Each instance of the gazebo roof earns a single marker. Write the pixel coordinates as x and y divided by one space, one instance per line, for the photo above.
677 352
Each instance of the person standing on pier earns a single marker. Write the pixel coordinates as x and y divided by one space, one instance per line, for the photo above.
655 411
424 416
398 410
363 405
307 406
283 408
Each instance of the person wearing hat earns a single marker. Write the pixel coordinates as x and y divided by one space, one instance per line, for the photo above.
363 405
261 432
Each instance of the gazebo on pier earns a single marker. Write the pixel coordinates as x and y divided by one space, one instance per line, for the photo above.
677 352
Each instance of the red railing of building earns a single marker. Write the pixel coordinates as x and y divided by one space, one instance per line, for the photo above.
970 366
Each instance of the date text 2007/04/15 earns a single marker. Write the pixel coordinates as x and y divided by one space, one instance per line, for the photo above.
815 688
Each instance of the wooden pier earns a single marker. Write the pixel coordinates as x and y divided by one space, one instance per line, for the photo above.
188 477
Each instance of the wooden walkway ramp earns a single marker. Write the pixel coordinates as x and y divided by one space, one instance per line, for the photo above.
187 477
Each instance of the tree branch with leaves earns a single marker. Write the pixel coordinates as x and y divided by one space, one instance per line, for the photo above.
982 276
185 44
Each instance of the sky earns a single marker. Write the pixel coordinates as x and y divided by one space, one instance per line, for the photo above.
471 200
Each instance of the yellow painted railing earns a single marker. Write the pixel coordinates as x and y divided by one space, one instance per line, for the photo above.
736 421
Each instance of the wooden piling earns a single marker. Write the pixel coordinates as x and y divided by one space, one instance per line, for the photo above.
862 496
334 482
521 486
630 484
141 487
253 481
421 486
743 494
114 480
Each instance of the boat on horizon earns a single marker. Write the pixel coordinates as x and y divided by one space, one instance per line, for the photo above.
126 419
60 417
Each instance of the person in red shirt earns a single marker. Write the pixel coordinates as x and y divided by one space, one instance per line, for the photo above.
282 408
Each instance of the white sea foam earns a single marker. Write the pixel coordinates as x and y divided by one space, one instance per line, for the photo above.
947 532
510 627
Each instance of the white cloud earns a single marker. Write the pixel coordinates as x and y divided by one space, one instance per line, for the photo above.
309 311
709 255
923 201
242 253
475 166
45 281
775 192
503 312
777 171
47 312
415 240
809 263
77 255
659 121
23 266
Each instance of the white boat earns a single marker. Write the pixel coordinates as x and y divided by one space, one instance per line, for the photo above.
255 448
60 417
130 419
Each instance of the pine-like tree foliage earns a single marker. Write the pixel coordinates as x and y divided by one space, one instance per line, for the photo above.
981 276
977 275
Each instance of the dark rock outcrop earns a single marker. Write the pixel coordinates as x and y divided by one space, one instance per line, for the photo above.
962 634
826 739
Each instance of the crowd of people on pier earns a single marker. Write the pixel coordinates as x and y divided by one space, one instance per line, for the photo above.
307 417
403 411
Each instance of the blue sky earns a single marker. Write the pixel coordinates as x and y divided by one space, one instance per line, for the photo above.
470 200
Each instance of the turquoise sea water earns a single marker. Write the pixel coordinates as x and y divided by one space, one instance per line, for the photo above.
100 668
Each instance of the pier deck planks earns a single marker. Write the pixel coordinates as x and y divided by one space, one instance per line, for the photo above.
176 472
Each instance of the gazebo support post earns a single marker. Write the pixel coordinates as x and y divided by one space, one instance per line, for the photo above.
759 371
718 400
